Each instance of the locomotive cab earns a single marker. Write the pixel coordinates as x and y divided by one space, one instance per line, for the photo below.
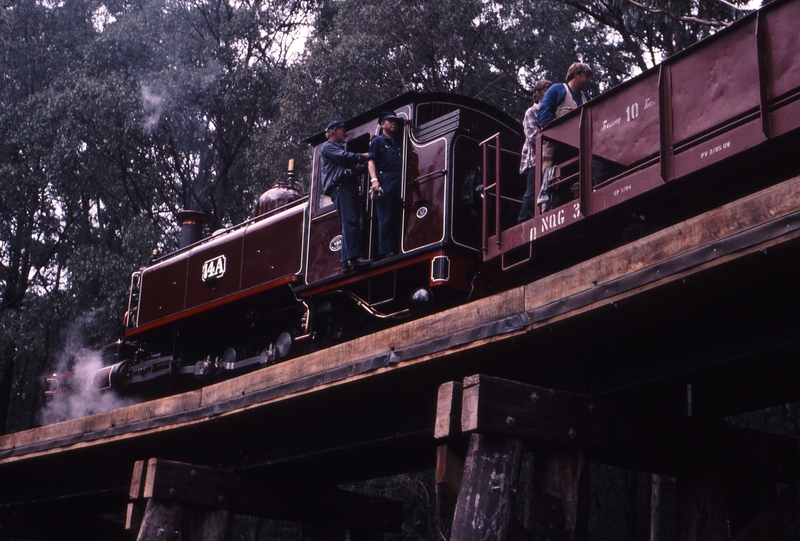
438 255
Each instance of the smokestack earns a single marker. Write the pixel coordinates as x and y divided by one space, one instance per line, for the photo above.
191 222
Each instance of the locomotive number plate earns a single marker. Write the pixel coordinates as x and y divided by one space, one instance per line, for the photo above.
214 269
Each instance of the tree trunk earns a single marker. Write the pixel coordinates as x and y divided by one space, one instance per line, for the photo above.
6 383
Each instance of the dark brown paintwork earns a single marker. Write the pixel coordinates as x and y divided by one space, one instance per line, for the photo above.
426 177
324 247
626 131
163 289
712 90
715 84
270 246
199 292
273 248
723 97
783 77
625 127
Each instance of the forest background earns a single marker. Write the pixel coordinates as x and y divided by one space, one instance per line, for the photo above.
116 114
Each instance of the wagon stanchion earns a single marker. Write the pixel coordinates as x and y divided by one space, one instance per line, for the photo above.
487 190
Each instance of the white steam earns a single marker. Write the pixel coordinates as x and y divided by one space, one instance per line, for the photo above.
153 101
76 397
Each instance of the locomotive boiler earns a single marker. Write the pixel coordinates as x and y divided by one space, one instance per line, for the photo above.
712 123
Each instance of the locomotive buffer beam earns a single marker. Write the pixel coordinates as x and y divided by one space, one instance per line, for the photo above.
162 488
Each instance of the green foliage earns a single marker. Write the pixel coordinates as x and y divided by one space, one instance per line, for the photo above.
106 131
115 114
649 31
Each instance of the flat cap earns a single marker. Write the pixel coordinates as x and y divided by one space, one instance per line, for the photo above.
335 124
388 115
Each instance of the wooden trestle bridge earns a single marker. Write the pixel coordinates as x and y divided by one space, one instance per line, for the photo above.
632 359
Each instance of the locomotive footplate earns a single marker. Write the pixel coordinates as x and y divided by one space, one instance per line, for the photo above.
396 281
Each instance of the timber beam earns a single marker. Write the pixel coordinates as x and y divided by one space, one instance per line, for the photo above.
483 506
717 466
168 484
614 434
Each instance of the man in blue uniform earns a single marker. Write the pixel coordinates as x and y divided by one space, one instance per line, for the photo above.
385 172
340 171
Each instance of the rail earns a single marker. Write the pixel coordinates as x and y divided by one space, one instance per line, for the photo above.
494 189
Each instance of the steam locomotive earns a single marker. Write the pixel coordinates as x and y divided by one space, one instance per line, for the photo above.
249 295
716 121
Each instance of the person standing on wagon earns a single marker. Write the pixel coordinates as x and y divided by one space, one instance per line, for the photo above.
385 173
558 101
340 173
527 165
563 98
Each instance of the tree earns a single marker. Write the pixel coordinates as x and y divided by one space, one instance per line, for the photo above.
114 116
360 54
651 31
37 43
204 74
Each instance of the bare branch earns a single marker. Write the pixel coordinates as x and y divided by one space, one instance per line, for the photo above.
681 18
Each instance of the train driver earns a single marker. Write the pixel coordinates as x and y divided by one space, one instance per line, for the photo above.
385 172
340 173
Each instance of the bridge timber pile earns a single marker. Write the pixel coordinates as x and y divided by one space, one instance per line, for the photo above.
633 359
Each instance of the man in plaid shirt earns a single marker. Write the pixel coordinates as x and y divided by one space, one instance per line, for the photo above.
528 158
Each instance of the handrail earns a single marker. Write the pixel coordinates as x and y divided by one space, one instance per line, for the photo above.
484 181
418 180
498 193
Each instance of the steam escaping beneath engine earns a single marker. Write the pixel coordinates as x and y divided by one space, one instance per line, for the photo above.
73 393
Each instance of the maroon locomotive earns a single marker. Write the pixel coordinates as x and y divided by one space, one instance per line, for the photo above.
717 120
248 295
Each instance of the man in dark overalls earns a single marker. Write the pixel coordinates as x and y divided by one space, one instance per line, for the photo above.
385 172
340 172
